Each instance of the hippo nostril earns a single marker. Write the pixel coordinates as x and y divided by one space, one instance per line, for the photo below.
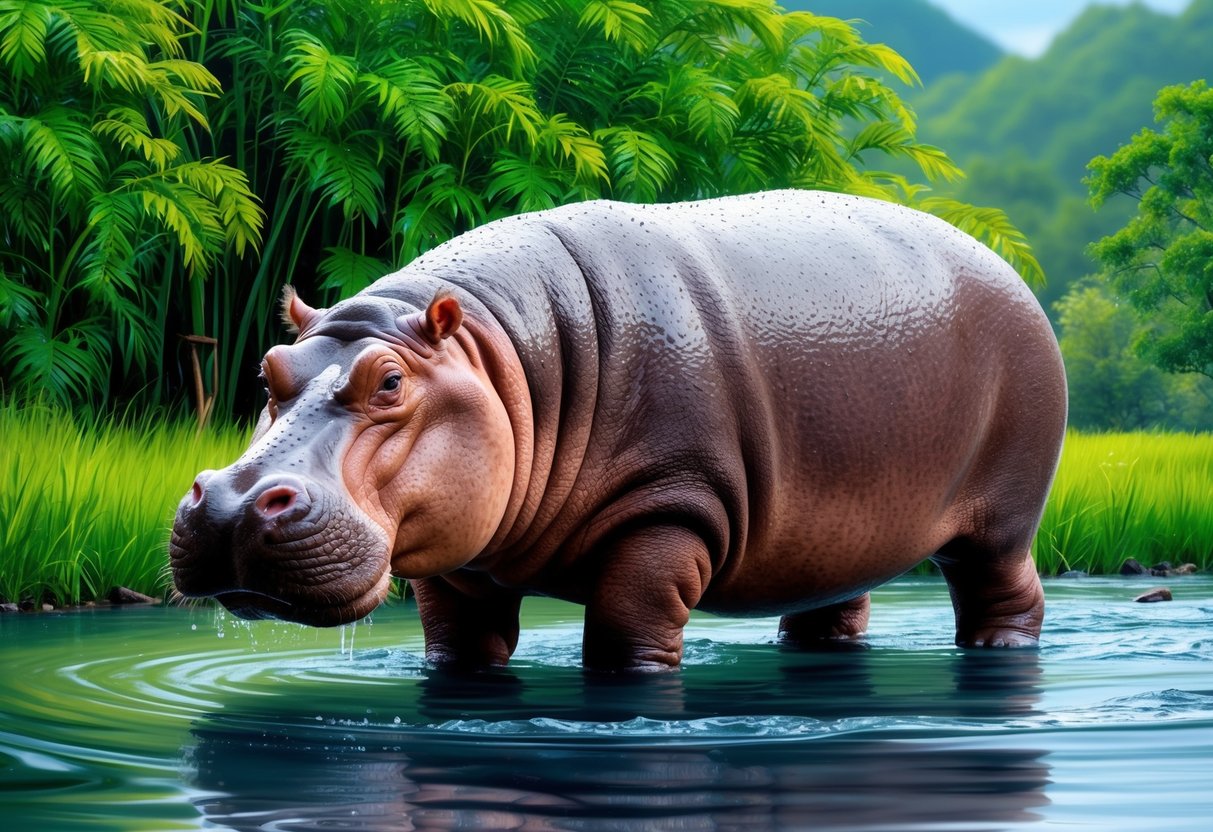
196 493
274 501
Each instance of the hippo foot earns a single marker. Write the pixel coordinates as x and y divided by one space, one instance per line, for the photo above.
838 622
998 602
996 637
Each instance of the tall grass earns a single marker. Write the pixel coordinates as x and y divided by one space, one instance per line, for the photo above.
87 507
1139 495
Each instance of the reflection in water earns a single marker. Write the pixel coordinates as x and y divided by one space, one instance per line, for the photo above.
760 739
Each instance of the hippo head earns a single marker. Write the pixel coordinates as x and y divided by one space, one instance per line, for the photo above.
383 449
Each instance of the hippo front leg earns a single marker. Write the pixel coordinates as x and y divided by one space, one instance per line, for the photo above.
651 580
463 628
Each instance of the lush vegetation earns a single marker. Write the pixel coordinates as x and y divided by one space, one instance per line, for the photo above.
170 164
86 506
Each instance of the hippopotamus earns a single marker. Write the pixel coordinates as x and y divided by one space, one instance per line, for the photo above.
760 405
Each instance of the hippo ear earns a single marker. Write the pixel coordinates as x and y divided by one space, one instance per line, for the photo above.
443 317
295 313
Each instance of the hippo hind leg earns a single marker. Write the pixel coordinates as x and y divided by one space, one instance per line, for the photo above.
837 622
996 593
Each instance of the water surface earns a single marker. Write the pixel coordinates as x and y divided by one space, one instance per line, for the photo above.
189 719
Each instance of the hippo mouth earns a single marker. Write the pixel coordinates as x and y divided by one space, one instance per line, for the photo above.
253 605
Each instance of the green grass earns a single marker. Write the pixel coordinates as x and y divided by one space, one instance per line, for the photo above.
86 507
1139 495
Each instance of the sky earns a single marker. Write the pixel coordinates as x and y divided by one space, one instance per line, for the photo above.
1025 27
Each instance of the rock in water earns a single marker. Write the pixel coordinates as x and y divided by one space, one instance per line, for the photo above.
1132 566
1160 593
122 595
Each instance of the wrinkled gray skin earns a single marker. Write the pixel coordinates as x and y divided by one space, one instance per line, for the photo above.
760 405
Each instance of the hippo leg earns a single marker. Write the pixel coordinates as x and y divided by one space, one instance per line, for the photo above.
837 622
652 579
466 630
998 600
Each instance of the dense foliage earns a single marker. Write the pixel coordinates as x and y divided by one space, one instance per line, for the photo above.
1162 260
102 196
371 131
1111 386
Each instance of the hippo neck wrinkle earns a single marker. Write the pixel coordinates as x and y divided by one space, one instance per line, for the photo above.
492 349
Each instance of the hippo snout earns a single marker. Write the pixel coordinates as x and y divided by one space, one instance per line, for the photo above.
276 545
269 507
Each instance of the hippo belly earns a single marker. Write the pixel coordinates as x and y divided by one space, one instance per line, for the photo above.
760 405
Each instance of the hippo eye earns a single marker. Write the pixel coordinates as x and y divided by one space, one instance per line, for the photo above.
392 382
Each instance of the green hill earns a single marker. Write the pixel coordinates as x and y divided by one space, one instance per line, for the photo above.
934 43
1086 94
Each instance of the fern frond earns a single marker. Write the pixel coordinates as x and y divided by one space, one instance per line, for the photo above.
349 272
191 218
779 97
620 21
526 185
894 140
574 143
502 99
640 166
325 79
60 145
992 227
235 203
130 130
346 173
492 24
413 99
23 30
19 304
64 367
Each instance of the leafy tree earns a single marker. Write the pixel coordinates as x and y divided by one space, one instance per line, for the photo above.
103 207
1111 387
1162 260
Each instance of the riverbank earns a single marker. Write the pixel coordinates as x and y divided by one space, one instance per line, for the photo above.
87 507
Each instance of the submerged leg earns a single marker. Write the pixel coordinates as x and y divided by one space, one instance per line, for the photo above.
650 581
997 599
466 630
837 622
